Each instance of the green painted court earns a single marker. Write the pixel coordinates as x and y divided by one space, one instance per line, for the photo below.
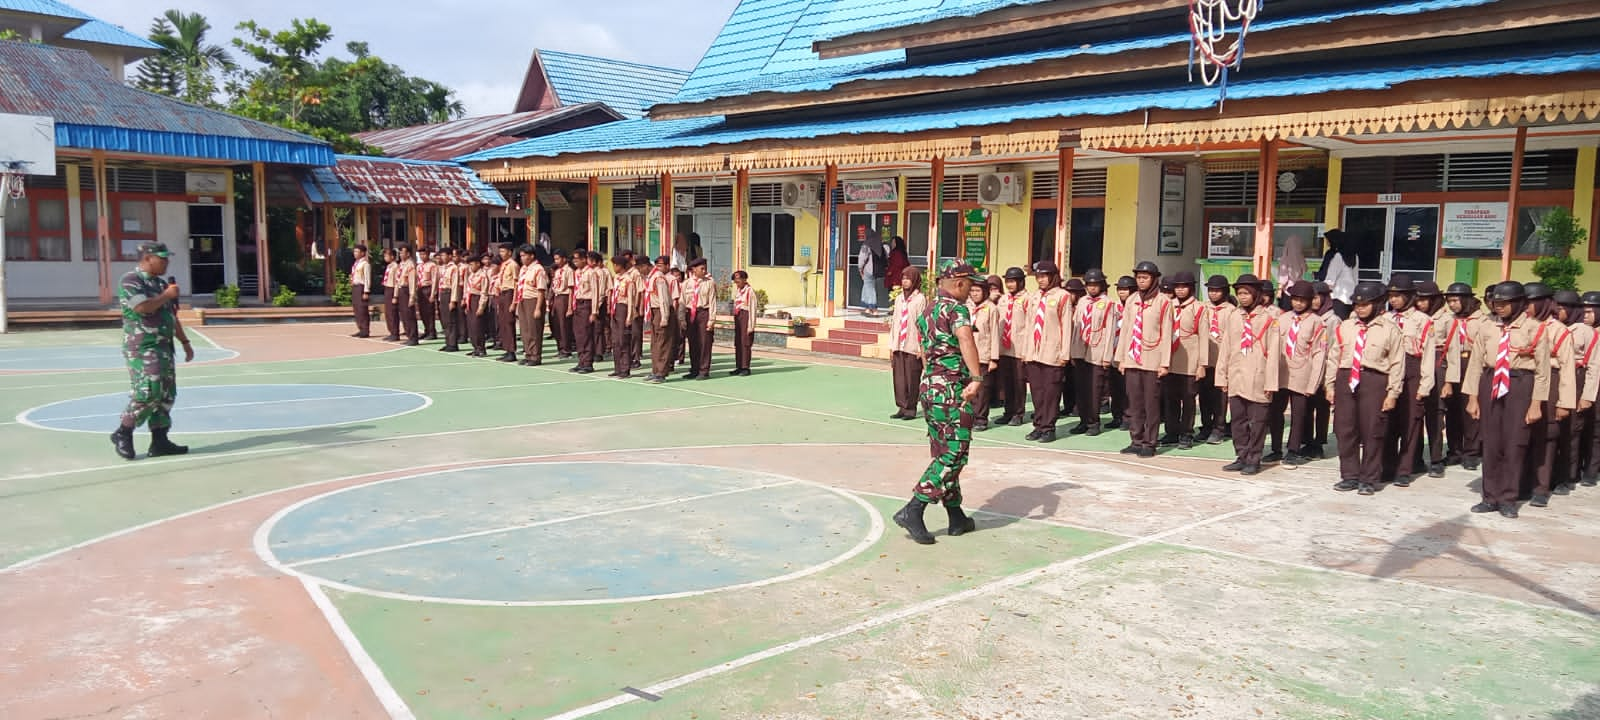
367 530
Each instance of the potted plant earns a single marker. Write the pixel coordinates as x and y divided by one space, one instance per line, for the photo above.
799 327
1558 233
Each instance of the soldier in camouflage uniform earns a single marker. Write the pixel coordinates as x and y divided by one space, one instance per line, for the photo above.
149 324
951 378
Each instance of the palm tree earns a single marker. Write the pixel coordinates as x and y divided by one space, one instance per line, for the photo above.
187 66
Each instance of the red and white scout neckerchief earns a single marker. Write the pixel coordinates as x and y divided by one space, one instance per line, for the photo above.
1247 337
1356 355
744 299
694 292
1294 335
1136 343
903 323
650 294
1087 321
1422 339
1589 351
1502 364
1005 327
1177 324
1216 322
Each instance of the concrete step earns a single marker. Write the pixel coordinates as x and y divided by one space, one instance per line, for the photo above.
867 325
840 347
855 336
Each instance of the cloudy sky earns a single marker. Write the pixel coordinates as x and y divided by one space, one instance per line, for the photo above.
479 48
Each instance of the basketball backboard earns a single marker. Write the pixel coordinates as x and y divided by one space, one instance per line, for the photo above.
27 144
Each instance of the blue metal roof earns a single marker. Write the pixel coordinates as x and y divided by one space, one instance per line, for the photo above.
815 76
104 33
701 132
43 7
361 180
919 12
94 112
628 88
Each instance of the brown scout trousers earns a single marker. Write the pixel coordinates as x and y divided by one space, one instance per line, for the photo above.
363 313
638 340
506 318
1460 428
622 338
1013 383
699 338
561 325
1213 405
1581 457
1543 443
426 310
408 313
980 404
391 312
1090 381
1144 407
1178 404
1570 453
1423 418
1398 450
1115 388
450 318
1505 435
907 369
663 338
1360 425
477 323
742 341
1044 383
583 331
532 330
1249 428
602 328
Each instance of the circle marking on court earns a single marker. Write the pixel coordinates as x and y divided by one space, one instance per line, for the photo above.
568 533
238 408
69 358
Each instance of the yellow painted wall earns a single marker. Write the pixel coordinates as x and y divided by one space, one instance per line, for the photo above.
781 284
1122 217
602 203
1008 236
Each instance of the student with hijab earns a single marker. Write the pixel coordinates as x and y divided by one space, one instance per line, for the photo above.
898 261
1339 271
867 264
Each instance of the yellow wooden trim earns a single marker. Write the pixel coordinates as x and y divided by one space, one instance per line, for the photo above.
1331 217
1583 192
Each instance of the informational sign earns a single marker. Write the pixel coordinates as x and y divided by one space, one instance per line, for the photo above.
975 233
1475 226
1173 194
805 252
1231 240
1389 198
652 214
553 199
871 191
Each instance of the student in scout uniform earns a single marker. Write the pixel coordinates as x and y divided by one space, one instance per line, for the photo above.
1179 387
661 313
1509 369
1213 402
1115 389
1247 371
391 294
1011 376
1092 344
1588 467
905 344
1576 429
608 282
986 335
952 379
1559 402
1076 291
1430 301
1405 422
1046 348
1364 379
562 284
1321 410
448 298
1144 347
504 308
1466 314
427 282
699 313
533 289
406 295
624 305
584 312
744 323
642 268
1304 339
476 298
150 323
361 291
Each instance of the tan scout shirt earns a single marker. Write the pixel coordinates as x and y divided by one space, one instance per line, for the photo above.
1010 322
1250 373
1094 330
699 297
1189 353
589 286
1156 337
1305 359
532 283
509 270
1457 348
627 291
1417 340
361 274
1382 353
608 281
564 280
904 335
986 332
1583 353
1215 319
1046 315
660 300
1526 341
1561 358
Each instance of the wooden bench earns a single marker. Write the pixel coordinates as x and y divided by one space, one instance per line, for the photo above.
64 317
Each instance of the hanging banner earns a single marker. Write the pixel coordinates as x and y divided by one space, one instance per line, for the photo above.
1475 226
1174 189
975 249
652 212
871 191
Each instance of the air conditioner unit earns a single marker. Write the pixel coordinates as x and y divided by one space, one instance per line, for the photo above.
800 195
683 200
1000 188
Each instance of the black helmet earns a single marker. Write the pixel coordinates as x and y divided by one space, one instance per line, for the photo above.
1183 277
1249 281
1321 288
1538 291
1591 298
1267 286
1046 267
1145 266
1216 282
1458 289
1568 298
1508 291
1016 273
1126 282
1401 283
1094 275
1302 290
1368 291
1427 288
1074 285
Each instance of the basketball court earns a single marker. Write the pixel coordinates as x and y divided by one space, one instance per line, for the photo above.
368 530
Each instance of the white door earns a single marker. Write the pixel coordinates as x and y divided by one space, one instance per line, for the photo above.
716 235
1394 239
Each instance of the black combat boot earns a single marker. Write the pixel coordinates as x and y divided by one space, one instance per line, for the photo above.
960 523
122 440
910 518
160 445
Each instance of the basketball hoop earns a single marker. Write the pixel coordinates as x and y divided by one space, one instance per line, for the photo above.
11 184
1218 28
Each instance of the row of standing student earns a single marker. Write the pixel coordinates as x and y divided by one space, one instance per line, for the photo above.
491 299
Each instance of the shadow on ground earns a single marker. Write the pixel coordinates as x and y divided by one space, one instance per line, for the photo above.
1443 540
1023 502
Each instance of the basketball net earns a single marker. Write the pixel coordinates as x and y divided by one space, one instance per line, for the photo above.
1218 28
11 184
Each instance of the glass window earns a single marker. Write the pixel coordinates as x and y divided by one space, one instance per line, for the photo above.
135 224
50 222
91 230
1529 242
1043 240
772 239
19 242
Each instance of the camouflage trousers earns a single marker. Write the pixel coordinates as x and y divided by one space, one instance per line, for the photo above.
154 375
949 435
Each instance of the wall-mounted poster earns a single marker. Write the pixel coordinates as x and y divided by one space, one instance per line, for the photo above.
1474 226
1173 192
975 233
871 191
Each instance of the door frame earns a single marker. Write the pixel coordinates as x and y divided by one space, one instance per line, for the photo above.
1386 262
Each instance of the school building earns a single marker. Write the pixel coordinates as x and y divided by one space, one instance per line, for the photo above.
1004 132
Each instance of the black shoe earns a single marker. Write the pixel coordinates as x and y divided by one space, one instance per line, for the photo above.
655 379
910 518
1564 489
1034 435
1346 485
1079 429
1145 452
1114 425
391 338
412 343
1048 436
898 415
1215 438
1436 470
1002 420
1589 480
1470 464
1485 507
585 370
1094 431
161 446
1129 450
1293 459
960 523
1167 440
1509 510
1367 489
1251 470
524 363
689 376
1234 466
980 426
1539 501
1186 442
1402 481
574 368
636 366
707 376
122 440
1016 421
508 357
1272 457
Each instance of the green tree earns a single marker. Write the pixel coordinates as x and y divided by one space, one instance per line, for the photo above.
187 66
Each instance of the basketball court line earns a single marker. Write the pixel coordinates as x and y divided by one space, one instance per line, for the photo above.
914 610
248 403
427 402
184 378
381 687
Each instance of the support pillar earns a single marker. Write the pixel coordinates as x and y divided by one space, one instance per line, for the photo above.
1064 160
258 175
530 206
472 229
741 217
594 218
1266 202
826 232
102 230
668 216
330 245
1512 198
935 212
